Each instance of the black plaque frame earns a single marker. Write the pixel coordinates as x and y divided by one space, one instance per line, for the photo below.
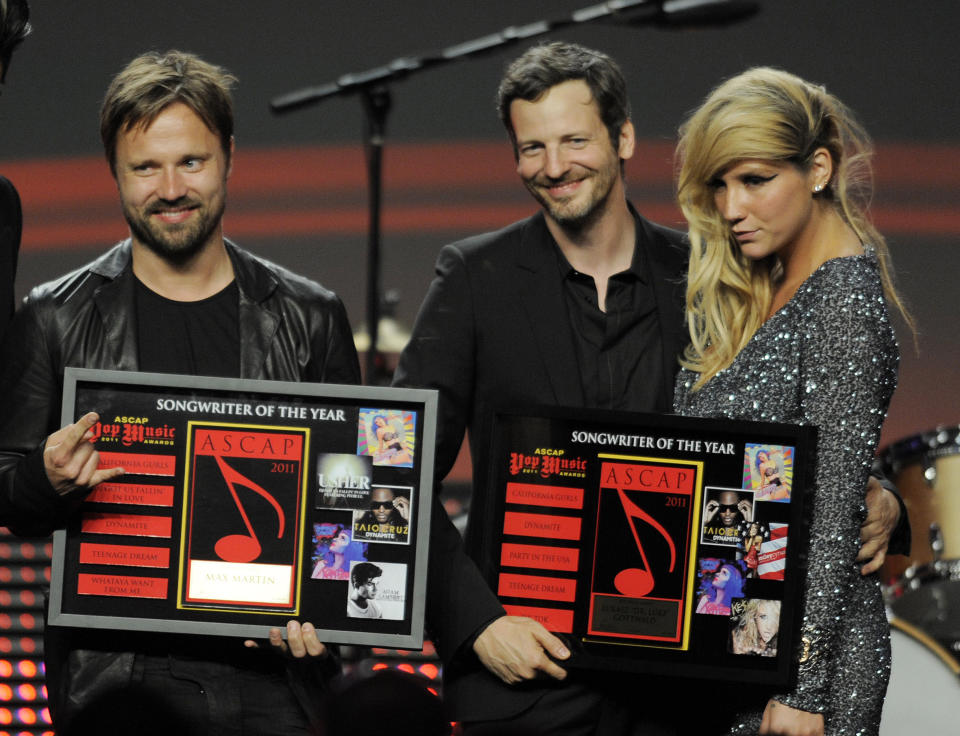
242 507
570 521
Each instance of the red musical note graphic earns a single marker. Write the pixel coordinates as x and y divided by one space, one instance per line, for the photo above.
633 581
243 547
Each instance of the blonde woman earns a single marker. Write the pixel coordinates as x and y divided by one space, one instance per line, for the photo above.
757 627
788 322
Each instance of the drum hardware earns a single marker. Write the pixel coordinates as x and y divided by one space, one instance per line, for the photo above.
936 541
926 468
916 576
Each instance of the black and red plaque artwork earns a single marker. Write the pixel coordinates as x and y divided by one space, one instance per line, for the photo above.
244 490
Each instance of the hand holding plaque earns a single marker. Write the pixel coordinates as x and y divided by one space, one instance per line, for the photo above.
70 461
517 648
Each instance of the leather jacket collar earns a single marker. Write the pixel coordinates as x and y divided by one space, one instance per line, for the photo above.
258 323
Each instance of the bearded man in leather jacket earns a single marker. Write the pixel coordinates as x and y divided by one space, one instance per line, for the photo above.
174 297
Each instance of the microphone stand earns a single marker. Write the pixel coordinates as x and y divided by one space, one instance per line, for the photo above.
376 106
372 85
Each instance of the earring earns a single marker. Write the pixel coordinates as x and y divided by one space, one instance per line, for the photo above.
817 189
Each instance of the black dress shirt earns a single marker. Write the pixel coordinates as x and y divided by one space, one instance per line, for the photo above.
620 347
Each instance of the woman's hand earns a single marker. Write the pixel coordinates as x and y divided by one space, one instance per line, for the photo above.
782 720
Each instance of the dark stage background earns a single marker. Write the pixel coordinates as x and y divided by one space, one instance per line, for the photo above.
298 191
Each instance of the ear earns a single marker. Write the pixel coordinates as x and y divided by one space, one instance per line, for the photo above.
821 170
627 141
230 160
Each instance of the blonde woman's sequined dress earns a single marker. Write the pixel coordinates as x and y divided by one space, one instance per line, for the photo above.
828 358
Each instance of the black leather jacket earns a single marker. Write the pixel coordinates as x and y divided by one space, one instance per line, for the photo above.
291 329
10 226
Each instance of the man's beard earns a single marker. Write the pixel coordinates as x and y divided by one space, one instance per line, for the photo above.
579 218
176 244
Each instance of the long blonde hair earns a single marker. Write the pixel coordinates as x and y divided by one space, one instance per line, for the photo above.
766 114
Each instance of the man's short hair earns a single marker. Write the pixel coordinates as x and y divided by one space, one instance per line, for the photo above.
547 65
14 27
154 81
363 572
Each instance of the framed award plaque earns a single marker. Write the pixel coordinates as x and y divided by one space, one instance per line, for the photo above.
657 544
247 503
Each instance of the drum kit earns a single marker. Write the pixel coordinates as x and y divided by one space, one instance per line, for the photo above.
923 590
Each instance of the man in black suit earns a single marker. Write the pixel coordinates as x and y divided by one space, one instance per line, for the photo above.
580 305
14 27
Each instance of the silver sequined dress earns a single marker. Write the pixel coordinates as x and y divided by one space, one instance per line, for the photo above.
827 358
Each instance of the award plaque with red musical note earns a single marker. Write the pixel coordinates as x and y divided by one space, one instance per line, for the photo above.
223 568
656 544
247 503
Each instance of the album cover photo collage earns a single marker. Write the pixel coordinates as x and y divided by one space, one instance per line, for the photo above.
743 547
363 513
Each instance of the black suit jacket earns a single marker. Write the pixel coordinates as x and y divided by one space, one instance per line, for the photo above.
493 332
10 226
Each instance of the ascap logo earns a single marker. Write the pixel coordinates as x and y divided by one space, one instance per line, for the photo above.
547 462
133 431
